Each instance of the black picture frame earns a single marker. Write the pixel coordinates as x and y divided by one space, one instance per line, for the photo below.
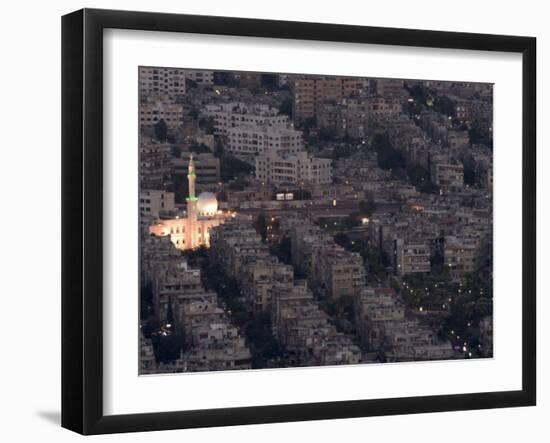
82 218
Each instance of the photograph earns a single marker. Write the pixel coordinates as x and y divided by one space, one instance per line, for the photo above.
296 220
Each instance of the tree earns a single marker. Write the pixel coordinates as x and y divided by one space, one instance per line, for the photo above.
146 301
238 185
161 130
445 105
170 315
343 151
180 187
283 250
418 175
429 188
176 151
224 78
286 107
207 124
342 240
367 207
469 171
302 194
231 167
199 148
261 226
191 84
270 81
419 93
168 347
480 135
388 156
326 134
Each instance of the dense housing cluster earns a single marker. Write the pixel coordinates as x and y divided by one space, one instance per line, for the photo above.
304 220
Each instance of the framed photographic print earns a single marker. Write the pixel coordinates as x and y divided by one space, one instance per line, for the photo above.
270 221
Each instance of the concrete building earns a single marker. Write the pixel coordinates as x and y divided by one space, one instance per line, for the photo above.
447 175
153 202
412 256
341 273
200 77
410 341
154 81
352 117
305 330
248 80
299 168
374 309
150 113
147 361
233 114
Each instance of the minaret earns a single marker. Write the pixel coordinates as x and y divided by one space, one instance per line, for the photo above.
191 207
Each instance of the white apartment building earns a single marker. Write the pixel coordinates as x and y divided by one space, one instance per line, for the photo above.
296 168
250 140
161 81
200 77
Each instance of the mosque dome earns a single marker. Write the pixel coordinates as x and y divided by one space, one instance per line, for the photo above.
207 204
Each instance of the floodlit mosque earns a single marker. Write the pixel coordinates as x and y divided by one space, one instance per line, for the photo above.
192 231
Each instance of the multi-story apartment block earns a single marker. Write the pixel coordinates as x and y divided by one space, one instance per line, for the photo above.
390 87
300 168
447 175
155 165
375 308
161 81
250 140
310 94
461 254
352 117
202 77
233 114
150 113
299 324
412 256
152 202
331 270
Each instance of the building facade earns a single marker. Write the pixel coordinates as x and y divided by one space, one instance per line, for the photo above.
299 168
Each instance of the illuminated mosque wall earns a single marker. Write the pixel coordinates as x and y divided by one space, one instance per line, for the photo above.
191 231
